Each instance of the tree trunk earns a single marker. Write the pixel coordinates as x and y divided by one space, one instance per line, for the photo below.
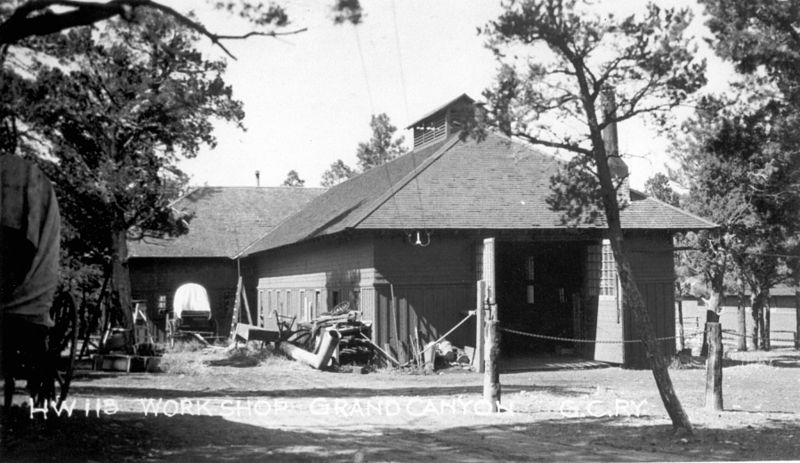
765 325
681 337
741 312
758 307
797 319
632 302
121 279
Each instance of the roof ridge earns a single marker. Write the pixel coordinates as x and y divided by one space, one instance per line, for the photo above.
274 187
677 209
247 249
395 188
244 249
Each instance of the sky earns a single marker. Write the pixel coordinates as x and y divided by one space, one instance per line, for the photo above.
308 97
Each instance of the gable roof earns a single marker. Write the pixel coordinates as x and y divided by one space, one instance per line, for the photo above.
497 183
226 220
343 205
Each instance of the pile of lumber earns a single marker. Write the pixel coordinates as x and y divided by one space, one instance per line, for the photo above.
354 346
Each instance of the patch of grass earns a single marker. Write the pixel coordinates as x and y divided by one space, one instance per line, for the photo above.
181 346
252 356
185 362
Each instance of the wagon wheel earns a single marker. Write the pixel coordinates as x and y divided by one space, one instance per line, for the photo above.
59 361
170 328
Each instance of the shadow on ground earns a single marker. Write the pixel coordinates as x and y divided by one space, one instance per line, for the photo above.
127 436
325 392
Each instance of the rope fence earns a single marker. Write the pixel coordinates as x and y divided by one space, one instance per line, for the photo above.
587 341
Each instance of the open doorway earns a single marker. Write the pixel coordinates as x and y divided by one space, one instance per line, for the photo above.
538 291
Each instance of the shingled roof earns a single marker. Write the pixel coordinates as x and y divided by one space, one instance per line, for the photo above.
226 220
497 183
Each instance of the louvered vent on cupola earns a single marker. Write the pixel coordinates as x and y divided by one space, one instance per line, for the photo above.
443 121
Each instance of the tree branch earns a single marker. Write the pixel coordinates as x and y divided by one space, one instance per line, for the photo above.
552 144
21 24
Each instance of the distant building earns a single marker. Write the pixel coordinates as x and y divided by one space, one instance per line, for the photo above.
226 219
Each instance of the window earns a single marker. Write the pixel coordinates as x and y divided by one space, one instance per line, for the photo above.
316 309
288 302
278 302
335 298
608 279
601 270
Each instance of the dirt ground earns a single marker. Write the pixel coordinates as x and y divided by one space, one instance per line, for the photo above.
213 407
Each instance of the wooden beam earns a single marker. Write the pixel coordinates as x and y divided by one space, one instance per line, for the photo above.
246 305
320 360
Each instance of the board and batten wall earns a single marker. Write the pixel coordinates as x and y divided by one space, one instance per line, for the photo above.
433 286
604 319
652 263
306 279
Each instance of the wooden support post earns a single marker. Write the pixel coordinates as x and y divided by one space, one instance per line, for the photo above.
246 305
491 378
393 314
479 327
236 305
488 266
714 367
259 310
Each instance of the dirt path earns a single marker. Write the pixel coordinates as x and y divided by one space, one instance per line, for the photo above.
282 411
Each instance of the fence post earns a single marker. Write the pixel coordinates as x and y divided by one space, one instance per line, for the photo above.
714 367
